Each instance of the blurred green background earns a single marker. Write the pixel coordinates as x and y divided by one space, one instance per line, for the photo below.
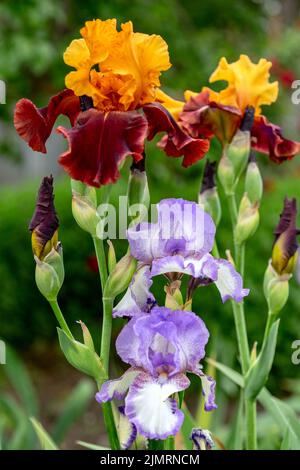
33 37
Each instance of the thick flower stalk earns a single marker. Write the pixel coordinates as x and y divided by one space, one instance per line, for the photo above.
161 347
116 77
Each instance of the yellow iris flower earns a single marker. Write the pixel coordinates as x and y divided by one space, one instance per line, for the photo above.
119 70
248 84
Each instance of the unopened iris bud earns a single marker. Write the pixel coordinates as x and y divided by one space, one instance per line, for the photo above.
120 278
84 206
235 154
138 191
174 298
253 181
47 250
248 220
209 198
278 293
111 257
202 439
226 174
285 247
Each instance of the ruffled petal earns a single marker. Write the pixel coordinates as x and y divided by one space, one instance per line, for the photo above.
99 142
149 407
117 389
34 124
229 282
176 143
267 138
138 298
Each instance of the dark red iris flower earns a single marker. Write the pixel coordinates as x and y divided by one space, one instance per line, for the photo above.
98 141
204 118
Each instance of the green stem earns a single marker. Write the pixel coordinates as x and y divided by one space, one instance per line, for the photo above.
154 444
241 330
105 343
169 443
60 318
271 318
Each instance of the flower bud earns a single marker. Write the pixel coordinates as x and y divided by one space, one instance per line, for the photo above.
120 278
84 206
238 152
49 273
226 174
47 250
111 257
202 439
138 190
209 197
248 220
285 247
277 294
253 181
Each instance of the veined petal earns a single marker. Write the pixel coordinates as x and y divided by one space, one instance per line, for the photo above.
149 407
202 116
99 142
145 242
176 143
229 282
117 389
267 138
138 297
77 54
34 124
173 106
79 82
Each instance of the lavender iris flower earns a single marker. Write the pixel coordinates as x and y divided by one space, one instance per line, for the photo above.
180 242
161 348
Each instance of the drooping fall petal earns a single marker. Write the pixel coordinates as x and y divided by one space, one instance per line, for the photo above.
99 142
203 117
267 138
34 124
176 143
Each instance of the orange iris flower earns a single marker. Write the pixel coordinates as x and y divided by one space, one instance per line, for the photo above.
116 75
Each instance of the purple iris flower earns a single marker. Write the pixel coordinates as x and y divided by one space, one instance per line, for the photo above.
161 348
180 242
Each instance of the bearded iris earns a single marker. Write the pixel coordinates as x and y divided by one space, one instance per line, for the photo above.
179 243
116 76
210 113
160 348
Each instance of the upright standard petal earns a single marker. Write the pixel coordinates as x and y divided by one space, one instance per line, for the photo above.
149 407
165 340
248 83
99 142
267 138
34 124
176 143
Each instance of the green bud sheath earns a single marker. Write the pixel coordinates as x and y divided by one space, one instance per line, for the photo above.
253 182
49 274
84 207
226 174
248 220
120 278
